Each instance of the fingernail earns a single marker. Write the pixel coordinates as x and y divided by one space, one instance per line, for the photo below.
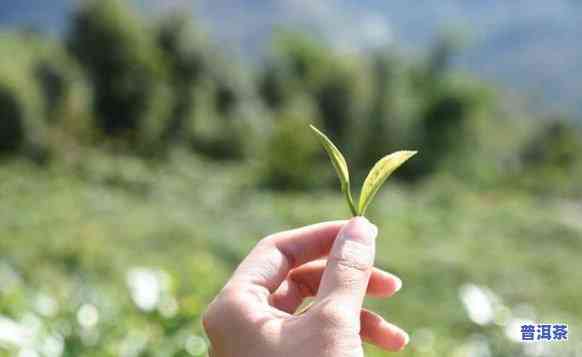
372 229
356 243
397 331
406 338
398 285
359 229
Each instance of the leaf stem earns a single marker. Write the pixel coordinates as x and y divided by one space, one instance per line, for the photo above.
348 194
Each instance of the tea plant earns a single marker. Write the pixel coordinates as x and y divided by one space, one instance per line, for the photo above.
376 177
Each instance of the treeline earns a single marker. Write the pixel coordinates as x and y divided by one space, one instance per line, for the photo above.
123 82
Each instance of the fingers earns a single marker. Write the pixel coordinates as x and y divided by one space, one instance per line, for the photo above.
304 282
269 263
349 266
381 284
376 330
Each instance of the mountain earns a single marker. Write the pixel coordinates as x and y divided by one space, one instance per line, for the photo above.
531 46
528 45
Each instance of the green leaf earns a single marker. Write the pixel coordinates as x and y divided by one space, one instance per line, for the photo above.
378 175
341 167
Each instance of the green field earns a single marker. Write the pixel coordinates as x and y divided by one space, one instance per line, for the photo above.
73 240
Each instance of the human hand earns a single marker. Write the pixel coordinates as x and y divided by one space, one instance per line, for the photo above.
253 316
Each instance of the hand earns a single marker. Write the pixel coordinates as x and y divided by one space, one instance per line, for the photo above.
253 316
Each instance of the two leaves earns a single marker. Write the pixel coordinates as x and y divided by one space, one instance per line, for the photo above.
377 176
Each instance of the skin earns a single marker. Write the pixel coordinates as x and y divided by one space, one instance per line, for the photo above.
333 262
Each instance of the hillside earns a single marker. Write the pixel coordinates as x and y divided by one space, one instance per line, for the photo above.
530 46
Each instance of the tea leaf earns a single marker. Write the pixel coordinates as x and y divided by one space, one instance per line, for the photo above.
378 175
341 167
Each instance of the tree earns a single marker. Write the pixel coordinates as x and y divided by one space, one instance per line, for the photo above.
132 98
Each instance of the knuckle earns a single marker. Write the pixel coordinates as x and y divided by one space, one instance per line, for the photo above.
354 256
267 241
335 315
353 264
222 310
230 301
351 280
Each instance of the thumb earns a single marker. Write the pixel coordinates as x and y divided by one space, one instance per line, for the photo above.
349 265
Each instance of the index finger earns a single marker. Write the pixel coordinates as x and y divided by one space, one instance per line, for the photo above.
268 264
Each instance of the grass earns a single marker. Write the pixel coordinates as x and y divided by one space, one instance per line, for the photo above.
69 235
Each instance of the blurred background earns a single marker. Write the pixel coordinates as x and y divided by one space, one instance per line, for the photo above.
145 147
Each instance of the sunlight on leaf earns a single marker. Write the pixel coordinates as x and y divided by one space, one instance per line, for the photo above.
341 167
378 175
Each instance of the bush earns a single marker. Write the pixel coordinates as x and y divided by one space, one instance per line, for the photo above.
552 160
215 109
338 85
22 125
132 98
447 127
390 121
67 93
45 96
292 154
343 99
186 53
224 128
301 66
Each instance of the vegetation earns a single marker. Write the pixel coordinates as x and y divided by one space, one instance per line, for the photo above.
139 163
98 233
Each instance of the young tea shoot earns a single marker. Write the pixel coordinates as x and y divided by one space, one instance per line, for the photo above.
376 177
